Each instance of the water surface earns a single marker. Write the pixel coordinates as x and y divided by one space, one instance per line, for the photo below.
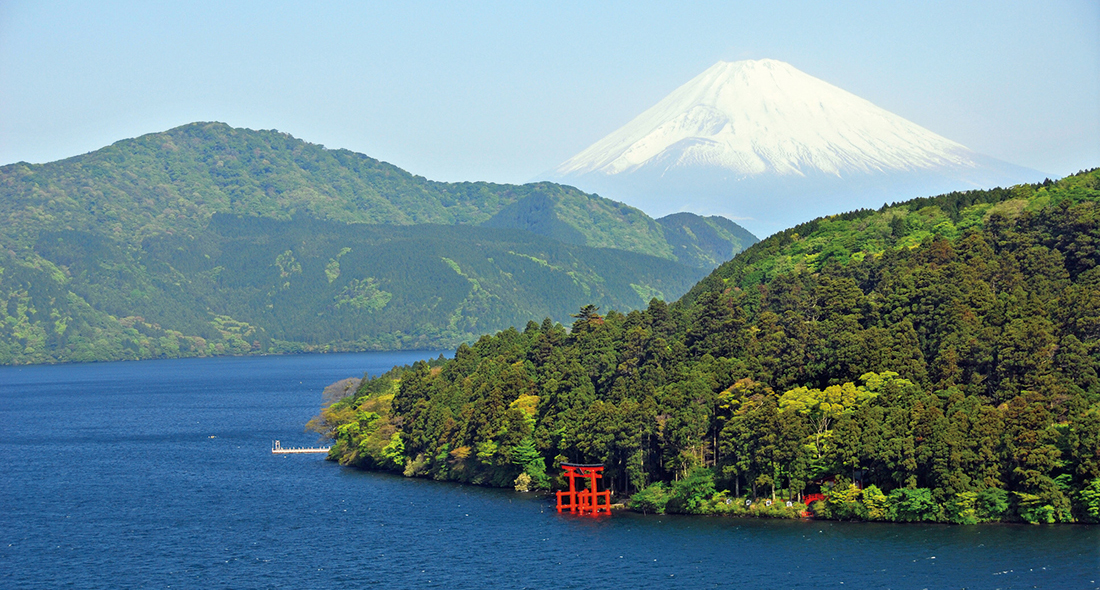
158 474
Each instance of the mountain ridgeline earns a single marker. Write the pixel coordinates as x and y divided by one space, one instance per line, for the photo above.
935 360
207 239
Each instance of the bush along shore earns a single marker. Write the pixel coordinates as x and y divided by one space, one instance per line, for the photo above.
841 500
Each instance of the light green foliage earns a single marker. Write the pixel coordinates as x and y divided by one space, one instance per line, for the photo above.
829 404
363 294
288 265
962 508
332 269
845 502
1034 510
395 450
654 498
877 383
1090 498
487 450
875 504
454 266
361 427
237 336
647 293
536 260
824 407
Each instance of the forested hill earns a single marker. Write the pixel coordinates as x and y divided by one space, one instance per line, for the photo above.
173 182
207 240
934 360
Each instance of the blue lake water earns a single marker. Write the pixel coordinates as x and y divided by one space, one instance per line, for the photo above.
158 474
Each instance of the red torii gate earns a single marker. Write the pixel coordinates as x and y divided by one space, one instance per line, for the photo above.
586 501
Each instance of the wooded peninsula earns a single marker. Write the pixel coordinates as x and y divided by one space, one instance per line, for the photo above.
934 360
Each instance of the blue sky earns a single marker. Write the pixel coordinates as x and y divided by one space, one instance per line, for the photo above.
504 91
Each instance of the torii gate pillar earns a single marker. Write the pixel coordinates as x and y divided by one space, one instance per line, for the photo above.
586 501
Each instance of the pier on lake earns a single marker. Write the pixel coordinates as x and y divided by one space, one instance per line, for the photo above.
277 449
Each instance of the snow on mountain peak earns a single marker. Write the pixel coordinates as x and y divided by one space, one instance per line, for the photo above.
766 117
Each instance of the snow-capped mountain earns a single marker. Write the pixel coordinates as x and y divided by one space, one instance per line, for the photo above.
770 146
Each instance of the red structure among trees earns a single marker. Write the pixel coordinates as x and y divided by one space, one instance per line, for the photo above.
588 500
811 498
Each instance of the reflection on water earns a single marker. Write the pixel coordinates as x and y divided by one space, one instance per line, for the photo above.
159 473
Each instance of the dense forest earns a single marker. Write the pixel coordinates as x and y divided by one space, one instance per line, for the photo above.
935 360
207 240
249 284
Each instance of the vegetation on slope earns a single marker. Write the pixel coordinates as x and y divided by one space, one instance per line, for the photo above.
935 360
249 284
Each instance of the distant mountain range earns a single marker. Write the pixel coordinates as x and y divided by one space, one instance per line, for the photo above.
770 146
206 239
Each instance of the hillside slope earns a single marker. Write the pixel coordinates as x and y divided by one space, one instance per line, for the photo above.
248 284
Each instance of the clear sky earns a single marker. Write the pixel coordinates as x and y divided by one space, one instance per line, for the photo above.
504 91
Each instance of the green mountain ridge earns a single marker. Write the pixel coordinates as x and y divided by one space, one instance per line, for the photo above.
936 360
196 242
174 181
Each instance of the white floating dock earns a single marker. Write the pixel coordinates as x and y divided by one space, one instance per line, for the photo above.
277 449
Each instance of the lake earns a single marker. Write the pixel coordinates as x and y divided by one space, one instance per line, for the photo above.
158 474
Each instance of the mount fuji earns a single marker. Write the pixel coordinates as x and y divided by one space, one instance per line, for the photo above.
769 146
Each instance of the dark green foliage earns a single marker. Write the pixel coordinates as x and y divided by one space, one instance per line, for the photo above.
914 375
536 213
991 503
690 494
912 505
569 216
705 242
693 494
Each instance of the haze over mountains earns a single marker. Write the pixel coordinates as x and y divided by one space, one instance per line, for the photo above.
770 146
